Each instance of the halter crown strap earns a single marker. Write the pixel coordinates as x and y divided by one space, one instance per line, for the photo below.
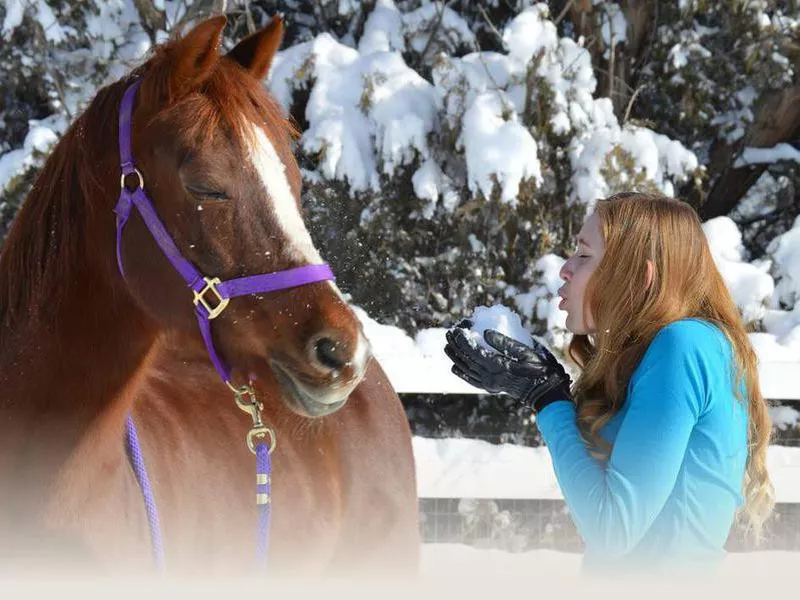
126 128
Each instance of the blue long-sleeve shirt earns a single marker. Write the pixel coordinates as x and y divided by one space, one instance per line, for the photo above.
668 494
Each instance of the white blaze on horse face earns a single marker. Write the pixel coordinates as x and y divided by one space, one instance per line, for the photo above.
269 166
273 174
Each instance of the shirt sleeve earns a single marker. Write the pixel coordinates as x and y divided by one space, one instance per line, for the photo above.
613 504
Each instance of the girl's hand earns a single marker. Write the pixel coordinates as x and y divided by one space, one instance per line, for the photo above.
531 375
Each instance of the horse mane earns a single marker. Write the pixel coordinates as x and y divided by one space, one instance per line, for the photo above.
48 236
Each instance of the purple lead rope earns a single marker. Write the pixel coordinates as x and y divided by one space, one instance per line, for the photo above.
220 293
136 459
263 502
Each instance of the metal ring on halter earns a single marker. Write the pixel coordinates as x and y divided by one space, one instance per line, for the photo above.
260 433
136 172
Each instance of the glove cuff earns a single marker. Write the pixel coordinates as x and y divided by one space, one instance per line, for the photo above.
552 390
555 395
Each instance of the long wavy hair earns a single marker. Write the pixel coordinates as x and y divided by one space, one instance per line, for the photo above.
686 283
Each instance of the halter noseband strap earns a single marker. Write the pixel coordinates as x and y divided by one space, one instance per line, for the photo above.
211 295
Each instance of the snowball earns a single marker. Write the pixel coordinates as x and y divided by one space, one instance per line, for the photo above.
500 318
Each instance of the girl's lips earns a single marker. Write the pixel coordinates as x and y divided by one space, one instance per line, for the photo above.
561 304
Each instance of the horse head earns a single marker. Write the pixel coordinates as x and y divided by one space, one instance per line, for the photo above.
214 152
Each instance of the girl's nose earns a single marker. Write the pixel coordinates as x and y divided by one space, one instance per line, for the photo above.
566 271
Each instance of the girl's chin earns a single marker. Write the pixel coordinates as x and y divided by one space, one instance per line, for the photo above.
576 329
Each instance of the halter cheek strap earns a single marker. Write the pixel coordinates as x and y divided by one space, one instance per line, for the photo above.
211 295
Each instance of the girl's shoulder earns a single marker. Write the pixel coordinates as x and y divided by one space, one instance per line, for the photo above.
691 336
691 327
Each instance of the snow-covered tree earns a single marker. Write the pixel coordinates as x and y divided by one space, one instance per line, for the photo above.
451 149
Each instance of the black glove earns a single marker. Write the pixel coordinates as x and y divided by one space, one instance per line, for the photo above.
530 375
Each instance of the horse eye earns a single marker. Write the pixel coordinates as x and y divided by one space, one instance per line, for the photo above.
205 194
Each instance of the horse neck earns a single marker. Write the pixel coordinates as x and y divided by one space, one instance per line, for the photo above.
67 354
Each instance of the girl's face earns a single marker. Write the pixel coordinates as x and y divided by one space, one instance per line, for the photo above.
576 273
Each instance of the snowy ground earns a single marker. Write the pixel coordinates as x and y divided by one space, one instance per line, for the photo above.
454 571
453 560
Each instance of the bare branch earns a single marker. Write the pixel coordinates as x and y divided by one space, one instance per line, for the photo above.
206 8
630 103
563 12
248 15
777 120
492 26
153 20
439 18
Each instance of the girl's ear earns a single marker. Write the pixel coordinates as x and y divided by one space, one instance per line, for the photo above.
650 275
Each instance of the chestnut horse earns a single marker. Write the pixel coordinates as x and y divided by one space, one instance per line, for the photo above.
83 346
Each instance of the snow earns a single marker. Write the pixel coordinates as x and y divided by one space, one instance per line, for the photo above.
447 571
40 137
500 318
368 114
658 158
465 571
784 417
53 32
750 284
757 156
488 136
785 252
614 25
530 33
421 22
470 468
15 10
400 355
383 30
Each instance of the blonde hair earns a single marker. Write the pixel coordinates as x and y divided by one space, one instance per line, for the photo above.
686 283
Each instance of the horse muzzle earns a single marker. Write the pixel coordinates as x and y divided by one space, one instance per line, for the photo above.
314 401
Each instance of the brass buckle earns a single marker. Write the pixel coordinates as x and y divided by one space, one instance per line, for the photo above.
246 400
221 303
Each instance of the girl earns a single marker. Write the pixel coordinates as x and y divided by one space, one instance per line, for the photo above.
665 433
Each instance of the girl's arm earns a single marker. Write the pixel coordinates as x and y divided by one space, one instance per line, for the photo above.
614 504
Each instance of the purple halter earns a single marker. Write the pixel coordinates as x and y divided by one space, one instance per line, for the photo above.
211 297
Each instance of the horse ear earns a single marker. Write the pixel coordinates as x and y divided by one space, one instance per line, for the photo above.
255 52
197 53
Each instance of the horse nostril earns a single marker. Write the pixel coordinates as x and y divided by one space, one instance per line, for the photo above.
330 353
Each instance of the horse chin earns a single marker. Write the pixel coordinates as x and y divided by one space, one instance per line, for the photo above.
305 402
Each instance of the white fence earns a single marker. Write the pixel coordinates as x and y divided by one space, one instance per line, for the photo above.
470 468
